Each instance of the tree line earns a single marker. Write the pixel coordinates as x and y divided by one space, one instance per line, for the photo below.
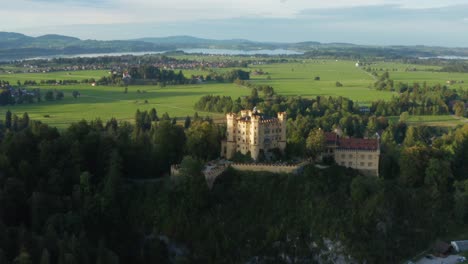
12 96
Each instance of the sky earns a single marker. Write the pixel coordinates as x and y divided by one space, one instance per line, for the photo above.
374 22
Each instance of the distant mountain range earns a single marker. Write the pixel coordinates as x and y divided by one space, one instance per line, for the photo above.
18 46
14 46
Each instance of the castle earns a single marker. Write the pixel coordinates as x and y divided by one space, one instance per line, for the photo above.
254 133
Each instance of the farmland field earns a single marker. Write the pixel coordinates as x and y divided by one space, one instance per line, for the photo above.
73 75
107 102
429 74
289 79
438 120
298 80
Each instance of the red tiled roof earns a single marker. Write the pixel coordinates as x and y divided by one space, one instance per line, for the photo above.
358 143
351 143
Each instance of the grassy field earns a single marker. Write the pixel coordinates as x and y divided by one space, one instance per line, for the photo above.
440 121
424 73
74 75
107 102
298 79
290 79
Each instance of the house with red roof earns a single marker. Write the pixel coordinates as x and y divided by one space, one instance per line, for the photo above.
362 154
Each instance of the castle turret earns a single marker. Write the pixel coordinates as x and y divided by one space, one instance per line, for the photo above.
231 125
283 119
255 136
228 146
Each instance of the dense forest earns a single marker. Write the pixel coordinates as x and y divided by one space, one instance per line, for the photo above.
97 193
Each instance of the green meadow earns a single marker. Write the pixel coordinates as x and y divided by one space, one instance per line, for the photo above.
106 102
438 121
424 73
298 79
72 75
289 79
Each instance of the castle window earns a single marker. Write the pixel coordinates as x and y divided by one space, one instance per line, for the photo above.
362 156
350 164
343 156
350 156
362 164
370 164
370 156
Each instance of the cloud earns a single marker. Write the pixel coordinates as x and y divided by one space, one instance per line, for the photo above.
58 12
358 21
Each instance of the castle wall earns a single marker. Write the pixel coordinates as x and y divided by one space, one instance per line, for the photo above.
268 167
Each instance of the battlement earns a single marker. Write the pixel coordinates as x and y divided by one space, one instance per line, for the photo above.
274 168
270 121
282 116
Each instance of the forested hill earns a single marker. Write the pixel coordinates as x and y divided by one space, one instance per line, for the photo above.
15 46
18 46
194 42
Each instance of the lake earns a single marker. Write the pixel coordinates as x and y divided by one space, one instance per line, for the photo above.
188 51
446 57
242 52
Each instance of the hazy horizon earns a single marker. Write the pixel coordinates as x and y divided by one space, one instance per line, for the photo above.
368 22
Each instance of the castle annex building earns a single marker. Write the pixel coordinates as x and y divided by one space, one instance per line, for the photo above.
255 133
357 153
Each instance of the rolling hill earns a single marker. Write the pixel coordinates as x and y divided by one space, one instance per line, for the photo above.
15 46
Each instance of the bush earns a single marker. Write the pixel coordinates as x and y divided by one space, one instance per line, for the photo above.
59 95
49 96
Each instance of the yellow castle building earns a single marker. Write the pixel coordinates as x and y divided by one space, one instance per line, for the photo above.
254 133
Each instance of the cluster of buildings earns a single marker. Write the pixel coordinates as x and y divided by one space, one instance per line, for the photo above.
251 133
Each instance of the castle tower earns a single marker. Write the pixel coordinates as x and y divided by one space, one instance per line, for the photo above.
283 119
255 136
228 146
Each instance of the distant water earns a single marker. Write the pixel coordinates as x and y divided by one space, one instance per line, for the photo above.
189 51
95 55
446 57
242 52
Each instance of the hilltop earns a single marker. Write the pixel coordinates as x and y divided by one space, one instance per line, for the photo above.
14 46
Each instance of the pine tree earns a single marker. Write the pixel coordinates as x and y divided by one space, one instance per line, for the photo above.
8 119
187 122
45 257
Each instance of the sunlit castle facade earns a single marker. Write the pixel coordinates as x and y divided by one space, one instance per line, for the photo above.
254 133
